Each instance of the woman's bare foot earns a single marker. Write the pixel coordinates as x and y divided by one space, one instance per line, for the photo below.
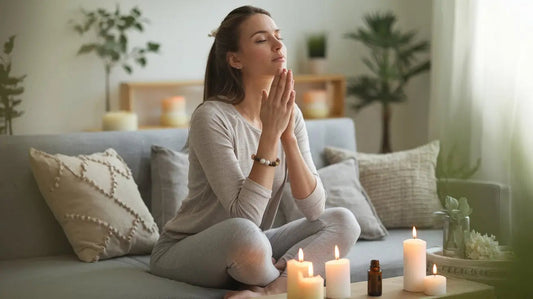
252 292
278 286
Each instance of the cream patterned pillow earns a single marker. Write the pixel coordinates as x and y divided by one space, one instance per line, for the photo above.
96 201
402 185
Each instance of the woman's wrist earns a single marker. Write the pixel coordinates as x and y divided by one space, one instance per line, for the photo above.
288 141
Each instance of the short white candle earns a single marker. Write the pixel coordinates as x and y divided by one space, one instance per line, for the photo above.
120 121
414 264
338 277
294 268
434 284
311 287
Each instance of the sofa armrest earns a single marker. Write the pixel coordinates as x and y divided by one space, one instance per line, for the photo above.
490 202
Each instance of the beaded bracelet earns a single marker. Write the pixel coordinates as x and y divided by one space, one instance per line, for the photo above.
266 162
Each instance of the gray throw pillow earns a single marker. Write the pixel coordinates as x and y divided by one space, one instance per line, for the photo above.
170 170
342 190
402 185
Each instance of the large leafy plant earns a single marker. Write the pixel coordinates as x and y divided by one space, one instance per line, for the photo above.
111 45
393 62
9 89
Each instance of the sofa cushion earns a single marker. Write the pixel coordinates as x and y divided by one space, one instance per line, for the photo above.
96 202
342 190
401 185
65 276
170 170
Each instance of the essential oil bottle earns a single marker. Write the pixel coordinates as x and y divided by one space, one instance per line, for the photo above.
374 279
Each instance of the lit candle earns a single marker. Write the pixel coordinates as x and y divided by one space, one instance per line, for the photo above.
311 287
338 277
315 104
434 284
414 264
174 114
294 268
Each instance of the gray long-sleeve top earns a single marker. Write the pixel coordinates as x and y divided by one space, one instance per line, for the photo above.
221 142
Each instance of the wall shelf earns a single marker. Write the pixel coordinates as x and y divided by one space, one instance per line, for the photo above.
144 98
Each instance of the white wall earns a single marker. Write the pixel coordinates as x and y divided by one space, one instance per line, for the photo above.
65 92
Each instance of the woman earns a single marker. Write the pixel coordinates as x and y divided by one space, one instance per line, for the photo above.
245 140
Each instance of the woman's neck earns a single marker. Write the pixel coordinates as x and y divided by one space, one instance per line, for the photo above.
250 107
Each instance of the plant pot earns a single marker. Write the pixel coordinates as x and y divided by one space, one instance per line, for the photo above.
454 232
317 65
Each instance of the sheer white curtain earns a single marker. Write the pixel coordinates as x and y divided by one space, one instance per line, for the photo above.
482 83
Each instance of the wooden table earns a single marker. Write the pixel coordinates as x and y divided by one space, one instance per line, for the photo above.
393 288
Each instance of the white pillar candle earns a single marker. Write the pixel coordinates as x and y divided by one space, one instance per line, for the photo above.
414 264
120 121
338 277
294 268
311 287
434 284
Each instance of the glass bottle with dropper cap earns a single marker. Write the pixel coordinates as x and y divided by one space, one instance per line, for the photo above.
374 279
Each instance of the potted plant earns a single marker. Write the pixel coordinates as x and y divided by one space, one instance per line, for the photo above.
9 88
456 226
316 50
393 62
111 40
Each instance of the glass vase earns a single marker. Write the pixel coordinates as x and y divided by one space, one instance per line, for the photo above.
454 232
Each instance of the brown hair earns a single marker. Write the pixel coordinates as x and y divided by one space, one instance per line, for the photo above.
220 77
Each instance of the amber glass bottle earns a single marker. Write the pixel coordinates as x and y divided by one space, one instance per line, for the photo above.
374 279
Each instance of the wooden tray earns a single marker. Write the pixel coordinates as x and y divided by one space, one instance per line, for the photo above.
490 272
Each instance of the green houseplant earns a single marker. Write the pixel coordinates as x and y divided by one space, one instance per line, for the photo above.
111 44
316 45
393 62
9 89
316 51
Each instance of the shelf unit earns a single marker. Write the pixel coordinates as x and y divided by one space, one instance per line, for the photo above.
134 96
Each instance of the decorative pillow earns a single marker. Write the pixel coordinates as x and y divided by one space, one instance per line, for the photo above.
401 185
96 201
343 190
170 170
334 155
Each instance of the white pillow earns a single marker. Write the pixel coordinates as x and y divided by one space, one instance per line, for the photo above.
96 201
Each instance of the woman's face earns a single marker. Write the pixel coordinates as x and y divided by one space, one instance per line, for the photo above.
261 51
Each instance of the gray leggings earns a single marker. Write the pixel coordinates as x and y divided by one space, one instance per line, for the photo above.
236 250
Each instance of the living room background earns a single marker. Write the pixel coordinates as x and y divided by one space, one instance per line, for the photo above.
65 92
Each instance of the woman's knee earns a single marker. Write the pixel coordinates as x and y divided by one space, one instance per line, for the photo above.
250 254
344 223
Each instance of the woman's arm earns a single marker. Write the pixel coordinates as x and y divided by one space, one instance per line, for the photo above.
276 112
211 142
306 186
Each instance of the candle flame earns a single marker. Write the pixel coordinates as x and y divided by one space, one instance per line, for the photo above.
310 270
336 252
300 255
414 232
434 269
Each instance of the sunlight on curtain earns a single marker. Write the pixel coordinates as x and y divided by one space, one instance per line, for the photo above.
481 81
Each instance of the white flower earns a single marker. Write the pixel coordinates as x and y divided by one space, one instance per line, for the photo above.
481 247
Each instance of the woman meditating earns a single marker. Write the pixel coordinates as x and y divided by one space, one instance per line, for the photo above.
246 140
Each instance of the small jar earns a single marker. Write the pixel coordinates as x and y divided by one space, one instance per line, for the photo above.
374 279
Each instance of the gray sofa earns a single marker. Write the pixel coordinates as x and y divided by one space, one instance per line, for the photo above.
36 260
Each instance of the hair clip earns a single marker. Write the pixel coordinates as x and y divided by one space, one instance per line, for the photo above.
213 33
